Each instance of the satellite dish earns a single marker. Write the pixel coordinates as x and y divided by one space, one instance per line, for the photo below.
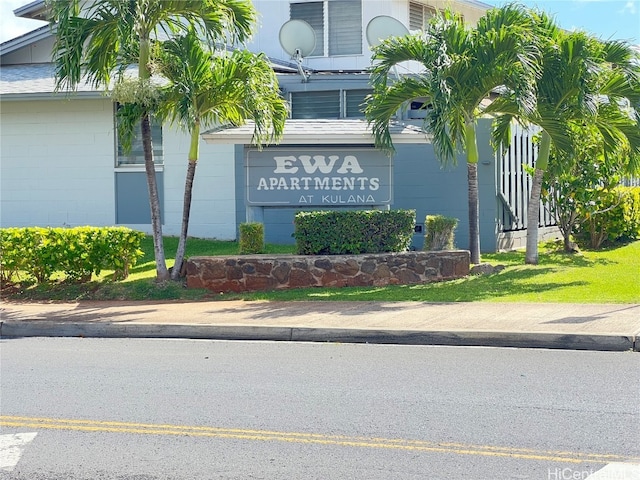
383 27
297 37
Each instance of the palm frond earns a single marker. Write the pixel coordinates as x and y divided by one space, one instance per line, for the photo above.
128 117
501 132
383 105
99 38
219 88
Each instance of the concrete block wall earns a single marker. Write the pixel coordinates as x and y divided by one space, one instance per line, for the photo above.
57 163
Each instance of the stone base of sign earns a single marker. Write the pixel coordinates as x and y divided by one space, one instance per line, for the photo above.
274 272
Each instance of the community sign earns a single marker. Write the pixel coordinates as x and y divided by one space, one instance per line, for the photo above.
322 176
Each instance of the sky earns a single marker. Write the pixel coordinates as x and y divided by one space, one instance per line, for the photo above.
607 19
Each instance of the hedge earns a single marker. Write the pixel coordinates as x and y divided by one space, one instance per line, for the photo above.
251 238
353 231
617 218
78 252
439 232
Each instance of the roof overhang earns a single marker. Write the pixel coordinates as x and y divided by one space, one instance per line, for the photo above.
36 10
319 132
39 34
30 97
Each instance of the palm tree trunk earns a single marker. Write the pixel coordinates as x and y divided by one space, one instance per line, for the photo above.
533 209
186 206
186 210
474 213
472 181
162 273
533 215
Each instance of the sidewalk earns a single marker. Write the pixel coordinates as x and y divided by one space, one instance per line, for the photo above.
611 327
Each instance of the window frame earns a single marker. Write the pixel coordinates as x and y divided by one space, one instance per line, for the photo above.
360 92
342 94
426 12
137 151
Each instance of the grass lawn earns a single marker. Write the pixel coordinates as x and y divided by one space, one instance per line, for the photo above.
604 276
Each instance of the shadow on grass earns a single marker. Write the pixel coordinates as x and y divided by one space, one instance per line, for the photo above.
572 260
551 257
520 281
473 288
144 289
514 280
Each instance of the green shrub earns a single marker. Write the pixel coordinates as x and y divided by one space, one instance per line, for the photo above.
338 232
251 238
37 253
17 249
615 216
77 259
119 249
439 233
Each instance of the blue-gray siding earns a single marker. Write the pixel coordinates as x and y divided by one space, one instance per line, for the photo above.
420 183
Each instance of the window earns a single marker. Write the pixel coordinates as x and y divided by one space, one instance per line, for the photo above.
353 102
419 15
323 104
345 27
136 155
313 14
344 33
131 193
329 103
418 107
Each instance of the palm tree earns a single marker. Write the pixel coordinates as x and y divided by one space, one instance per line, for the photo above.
462 68
99 39
583 81
205 89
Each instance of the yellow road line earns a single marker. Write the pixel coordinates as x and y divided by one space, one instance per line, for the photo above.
308 438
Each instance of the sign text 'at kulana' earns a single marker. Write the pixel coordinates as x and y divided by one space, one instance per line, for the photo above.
291 177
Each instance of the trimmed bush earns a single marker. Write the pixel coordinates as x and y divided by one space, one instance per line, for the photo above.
77 252
439 232
616 217
251 238
339 232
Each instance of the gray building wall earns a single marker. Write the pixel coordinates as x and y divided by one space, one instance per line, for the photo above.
420 183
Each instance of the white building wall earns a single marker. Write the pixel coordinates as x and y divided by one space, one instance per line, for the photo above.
214 189
274 13
57 163
58 169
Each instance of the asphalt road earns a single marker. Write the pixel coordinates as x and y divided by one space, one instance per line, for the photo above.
183 409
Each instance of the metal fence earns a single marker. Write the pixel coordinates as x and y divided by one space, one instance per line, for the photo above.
514 183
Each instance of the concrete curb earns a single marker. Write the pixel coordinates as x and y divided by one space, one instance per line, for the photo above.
44 328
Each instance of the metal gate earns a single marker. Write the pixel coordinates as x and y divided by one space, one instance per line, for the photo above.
514 183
